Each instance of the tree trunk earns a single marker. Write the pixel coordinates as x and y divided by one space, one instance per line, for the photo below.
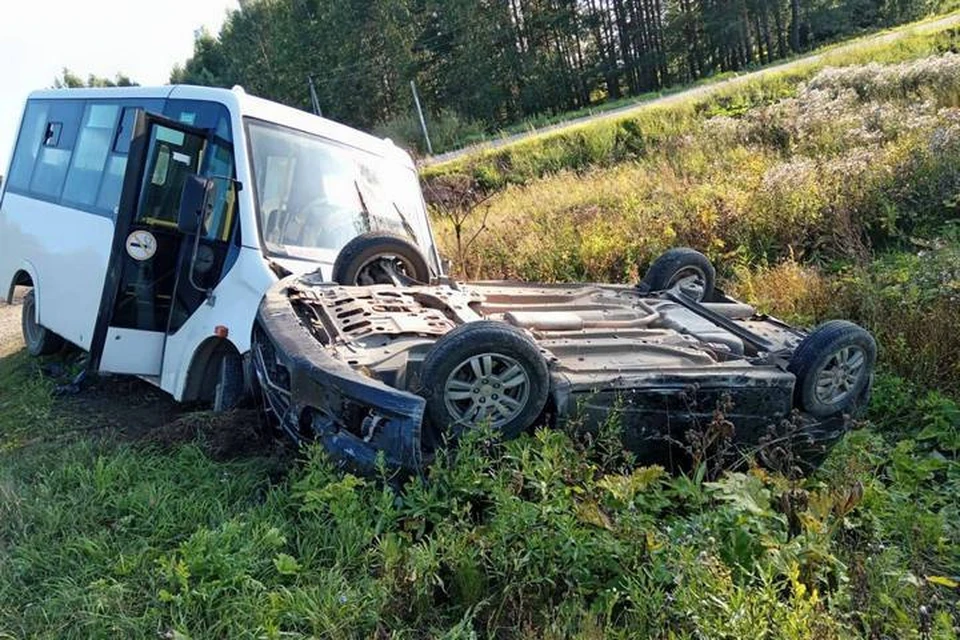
795 25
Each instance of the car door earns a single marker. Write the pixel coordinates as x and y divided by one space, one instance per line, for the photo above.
148 249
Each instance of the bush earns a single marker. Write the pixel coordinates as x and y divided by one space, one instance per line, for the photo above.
911 301
448 130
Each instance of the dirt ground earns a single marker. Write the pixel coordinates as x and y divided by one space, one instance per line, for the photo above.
10 339
135 411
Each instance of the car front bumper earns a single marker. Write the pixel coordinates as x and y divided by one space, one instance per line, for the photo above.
313 396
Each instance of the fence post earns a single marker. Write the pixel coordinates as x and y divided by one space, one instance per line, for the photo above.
423 123
313 97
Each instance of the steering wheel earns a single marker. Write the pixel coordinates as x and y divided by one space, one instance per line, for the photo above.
318 223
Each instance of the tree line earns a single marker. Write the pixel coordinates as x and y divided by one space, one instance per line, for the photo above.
71 80
497 62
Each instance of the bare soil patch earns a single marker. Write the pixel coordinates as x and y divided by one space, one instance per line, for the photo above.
135 411
222 436
128 409
10 339
132 410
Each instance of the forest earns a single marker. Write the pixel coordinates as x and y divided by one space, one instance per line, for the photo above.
488 64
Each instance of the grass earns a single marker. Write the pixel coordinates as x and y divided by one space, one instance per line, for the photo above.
469 135
837 200
615 140
101 539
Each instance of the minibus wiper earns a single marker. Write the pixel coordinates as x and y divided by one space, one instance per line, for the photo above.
407 227
363 204
406 223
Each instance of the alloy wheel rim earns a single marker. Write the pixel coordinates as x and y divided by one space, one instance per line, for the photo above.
488 387
841 375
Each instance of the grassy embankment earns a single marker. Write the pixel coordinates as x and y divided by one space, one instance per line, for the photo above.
813 202
448 132
837 197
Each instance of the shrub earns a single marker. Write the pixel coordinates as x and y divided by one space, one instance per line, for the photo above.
447 129
911 301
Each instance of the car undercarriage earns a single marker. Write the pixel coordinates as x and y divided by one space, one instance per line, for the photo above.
400 369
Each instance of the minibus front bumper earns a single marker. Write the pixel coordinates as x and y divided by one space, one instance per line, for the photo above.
358 420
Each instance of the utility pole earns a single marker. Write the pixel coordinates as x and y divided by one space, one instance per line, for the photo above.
423 123
313 97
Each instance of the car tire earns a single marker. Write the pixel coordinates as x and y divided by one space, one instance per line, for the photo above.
380 258
40 341
834 368
470 374
679 264
230 389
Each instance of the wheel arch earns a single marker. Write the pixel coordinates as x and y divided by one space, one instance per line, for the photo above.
201 383
24 276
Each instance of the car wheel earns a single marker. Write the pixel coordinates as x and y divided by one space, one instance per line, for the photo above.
40 341
834 368
483 373
380 258
688 268
230 390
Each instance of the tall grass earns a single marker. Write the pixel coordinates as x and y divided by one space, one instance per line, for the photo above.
549 536
860 161
612 141
828 173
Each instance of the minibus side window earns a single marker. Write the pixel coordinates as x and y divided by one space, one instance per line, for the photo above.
74 152
28 145
90 156
218 223
56 146
108 198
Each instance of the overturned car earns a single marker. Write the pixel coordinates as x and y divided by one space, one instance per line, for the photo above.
388 358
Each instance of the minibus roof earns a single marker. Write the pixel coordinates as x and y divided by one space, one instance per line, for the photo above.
239 101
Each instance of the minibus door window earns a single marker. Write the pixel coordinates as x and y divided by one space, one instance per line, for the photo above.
148 250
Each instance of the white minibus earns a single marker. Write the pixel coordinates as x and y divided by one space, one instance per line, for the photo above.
149 222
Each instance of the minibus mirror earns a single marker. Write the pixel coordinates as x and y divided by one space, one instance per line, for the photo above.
193 201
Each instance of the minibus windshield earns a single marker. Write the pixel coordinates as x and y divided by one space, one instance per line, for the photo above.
314 195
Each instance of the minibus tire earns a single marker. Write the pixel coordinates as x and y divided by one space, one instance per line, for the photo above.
230 389
40 341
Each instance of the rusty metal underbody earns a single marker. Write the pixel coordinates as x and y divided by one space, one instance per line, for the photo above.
342 364
592 335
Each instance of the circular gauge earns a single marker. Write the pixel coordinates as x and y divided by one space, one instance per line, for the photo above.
141 245
205 259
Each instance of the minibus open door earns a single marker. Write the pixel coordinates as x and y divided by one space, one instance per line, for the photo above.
149 248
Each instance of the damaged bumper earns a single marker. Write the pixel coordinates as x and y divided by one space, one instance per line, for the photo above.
314 396
654 413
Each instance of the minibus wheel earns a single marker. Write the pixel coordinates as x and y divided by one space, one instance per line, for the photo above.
40 341
230 389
